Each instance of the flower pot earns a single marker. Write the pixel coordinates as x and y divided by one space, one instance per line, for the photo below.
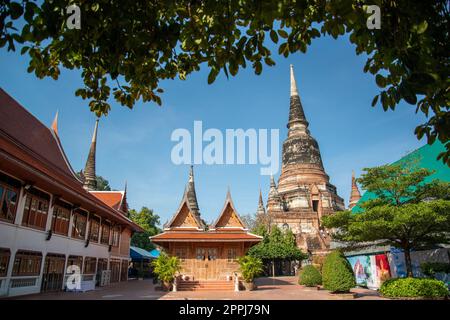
249 286
166 286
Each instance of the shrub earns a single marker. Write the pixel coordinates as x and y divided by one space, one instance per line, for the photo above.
431 268
310 276
413 287
251 267
166 267
337 273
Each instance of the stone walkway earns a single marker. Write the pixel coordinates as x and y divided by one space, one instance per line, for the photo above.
279 288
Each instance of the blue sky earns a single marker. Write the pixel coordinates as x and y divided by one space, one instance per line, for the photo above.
135 145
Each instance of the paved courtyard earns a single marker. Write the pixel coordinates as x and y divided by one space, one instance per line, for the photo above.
279 288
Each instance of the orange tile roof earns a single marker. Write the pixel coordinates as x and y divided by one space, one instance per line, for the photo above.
205 236
110 198
31 150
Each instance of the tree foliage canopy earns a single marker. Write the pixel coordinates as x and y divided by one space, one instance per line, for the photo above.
166 267
406 214
277 245
337 273
125 48
102 183
149 222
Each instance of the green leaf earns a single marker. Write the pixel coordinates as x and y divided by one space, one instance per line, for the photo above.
283 47
375 100
380 80
283 34
212 75
422 27
274 36
16 10
24 49
258 67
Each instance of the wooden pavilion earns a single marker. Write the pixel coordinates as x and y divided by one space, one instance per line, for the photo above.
206 253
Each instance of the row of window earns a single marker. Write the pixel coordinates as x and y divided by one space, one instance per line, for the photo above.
28 263
36 211
206 254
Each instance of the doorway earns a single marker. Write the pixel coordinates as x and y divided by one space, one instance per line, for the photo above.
53 275
206 263
115 270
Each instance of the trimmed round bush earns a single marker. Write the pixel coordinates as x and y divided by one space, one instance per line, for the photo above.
310 276
337 273
413 288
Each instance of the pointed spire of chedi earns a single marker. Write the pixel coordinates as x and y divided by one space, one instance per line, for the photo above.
273 201
261 209
300 147
90 181
297 117
355 194
191 195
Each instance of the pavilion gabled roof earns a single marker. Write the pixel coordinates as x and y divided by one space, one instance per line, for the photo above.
185 217
229 218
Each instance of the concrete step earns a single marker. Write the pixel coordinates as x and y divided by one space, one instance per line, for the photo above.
215 285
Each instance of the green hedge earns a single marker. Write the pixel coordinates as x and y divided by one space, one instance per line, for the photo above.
431 268
310 277
413 288
337 273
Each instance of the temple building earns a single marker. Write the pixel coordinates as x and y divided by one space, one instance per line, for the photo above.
304 193
50 219
208 254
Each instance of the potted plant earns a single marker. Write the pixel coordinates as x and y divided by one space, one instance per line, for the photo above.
165 268
250 267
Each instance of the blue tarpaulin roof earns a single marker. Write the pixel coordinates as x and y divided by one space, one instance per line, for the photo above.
155 253
139 253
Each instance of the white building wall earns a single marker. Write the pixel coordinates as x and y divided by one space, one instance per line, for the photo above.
16 237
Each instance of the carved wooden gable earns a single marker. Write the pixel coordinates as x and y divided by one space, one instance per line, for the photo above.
229 218
184 218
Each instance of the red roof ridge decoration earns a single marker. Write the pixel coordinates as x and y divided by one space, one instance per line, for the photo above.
228 218
54 131
55 124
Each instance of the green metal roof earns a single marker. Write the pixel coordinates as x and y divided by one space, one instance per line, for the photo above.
426 158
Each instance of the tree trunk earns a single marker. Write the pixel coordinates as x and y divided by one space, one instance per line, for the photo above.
408 263
273 268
